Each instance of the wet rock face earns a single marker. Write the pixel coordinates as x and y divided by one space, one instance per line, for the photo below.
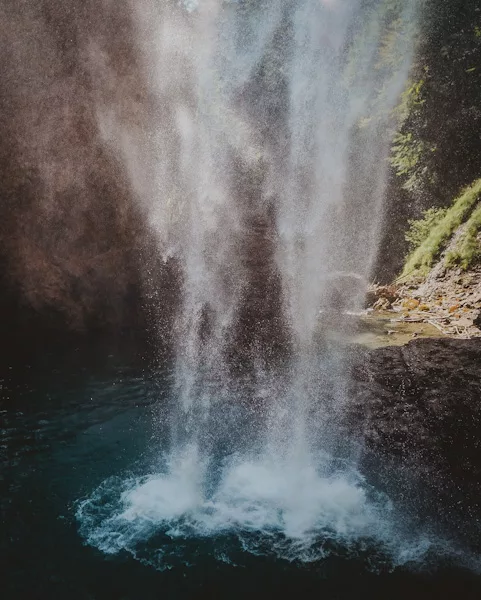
71 235
417 413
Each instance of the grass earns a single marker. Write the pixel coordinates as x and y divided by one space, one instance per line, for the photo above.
468 249
419 262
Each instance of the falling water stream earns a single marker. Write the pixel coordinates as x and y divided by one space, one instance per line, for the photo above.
273 118
263 176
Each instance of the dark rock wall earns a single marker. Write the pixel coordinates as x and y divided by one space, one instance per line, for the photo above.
417 414
71 235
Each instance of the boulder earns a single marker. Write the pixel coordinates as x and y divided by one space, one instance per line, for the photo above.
416 411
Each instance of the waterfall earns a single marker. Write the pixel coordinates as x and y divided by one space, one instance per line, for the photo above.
263 174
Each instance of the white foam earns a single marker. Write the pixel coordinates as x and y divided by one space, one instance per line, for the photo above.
260 496
159 499
293 508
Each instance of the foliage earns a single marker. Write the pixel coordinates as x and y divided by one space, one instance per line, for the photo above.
436 148
422 258
468 249
419 229
407 159
408 151
411 99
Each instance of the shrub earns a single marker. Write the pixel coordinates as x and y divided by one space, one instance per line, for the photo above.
419 229
468 249
421 259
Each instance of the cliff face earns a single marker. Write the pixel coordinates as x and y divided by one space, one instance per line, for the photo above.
71 235
436 146
77 251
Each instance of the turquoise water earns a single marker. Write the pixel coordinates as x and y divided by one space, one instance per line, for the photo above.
85 442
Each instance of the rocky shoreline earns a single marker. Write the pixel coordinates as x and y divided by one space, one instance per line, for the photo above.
450 301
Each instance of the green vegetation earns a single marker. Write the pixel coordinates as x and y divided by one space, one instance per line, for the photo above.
435 148
435 237
419 229
411 99
435 151
468 249
406 158
409 151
